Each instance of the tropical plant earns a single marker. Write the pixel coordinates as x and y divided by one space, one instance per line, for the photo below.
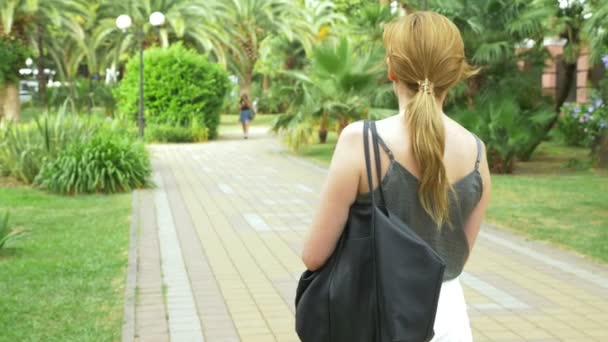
502 36
35 23
25 147
504 127
7 233
185 20
507 118
12 54
595 28
181 85
245 24
335 90
106 163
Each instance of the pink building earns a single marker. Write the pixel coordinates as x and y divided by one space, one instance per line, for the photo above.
585 73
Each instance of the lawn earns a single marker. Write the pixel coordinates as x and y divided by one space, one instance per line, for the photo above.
554 197
63 281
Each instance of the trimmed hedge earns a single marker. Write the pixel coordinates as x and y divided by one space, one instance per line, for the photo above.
171 134
181 88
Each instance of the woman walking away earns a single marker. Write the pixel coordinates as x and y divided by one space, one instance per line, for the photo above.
434 172
245 117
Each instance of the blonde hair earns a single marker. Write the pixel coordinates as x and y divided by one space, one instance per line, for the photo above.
425 52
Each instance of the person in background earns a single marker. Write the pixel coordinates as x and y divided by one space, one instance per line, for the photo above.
245 117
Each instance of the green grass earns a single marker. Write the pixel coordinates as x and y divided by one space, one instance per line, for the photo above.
569 210
321 153
554 197
64 281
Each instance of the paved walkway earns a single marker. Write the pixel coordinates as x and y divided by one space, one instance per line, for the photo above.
218 251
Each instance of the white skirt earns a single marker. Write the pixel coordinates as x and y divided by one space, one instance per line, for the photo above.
452 321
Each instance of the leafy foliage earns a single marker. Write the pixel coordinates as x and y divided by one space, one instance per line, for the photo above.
336 89
105 164
595 29
181 87
12 54
27 149
584 124
24 148
79 97
172 134
507 128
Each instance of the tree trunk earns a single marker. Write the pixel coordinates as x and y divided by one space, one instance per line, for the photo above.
342 123
266 83
245 85
562 96
12 105
41 75
2 92
323 130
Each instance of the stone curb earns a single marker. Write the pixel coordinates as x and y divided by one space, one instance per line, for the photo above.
128 322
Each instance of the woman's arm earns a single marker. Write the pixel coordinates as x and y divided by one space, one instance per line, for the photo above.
338 194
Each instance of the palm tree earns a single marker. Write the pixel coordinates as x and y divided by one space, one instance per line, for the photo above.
182 22
33 22
335 89
242 25
596 29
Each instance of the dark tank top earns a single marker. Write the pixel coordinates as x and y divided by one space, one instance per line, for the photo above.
401 193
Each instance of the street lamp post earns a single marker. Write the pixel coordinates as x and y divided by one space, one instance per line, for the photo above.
123 22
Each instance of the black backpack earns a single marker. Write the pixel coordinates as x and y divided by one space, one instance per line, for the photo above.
381 283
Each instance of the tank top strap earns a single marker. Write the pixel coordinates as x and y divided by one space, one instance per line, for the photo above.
479 151
385 148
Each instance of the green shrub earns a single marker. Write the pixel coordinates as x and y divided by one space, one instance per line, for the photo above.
107 163
171 134
583 124
181 86
505 127
25 147
7 233
12 54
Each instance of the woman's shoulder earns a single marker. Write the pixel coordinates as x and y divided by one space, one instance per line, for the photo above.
462 134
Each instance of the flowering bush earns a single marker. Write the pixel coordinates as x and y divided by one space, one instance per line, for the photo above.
584 124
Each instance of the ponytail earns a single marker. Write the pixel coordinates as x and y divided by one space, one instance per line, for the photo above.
425 53
428 144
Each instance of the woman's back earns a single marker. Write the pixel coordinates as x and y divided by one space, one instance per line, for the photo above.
401 181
